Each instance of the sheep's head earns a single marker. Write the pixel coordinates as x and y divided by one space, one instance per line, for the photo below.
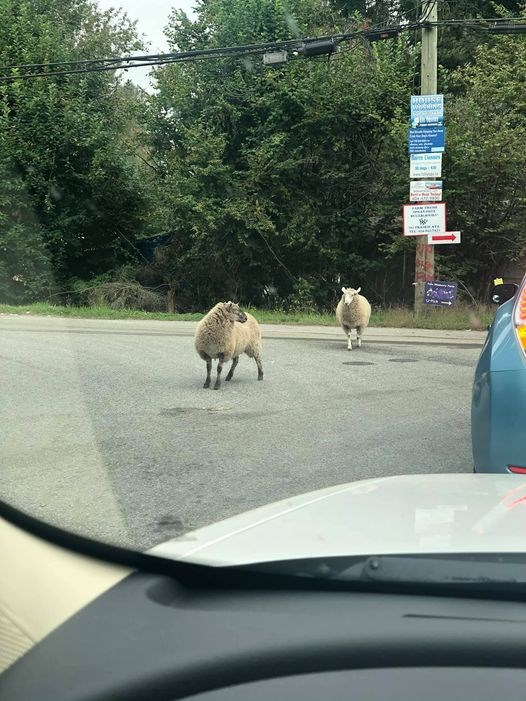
234 312
349 294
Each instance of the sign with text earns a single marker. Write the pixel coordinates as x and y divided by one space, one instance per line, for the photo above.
425 191
428 140
440 294
425 165
424 219
427 111
446 237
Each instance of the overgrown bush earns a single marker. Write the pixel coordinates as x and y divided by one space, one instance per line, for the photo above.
126 295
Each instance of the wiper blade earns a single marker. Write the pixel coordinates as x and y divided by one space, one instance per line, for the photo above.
445 569
486 570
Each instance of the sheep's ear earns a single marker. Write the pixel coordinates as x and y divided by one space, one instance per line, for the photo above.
358 290
343 289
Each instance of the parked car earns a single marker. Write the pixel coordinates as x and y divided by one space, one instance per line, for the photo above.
498 408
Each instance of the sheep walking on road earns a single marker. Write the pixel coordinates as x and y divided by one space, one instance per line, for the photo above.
225 333
353 312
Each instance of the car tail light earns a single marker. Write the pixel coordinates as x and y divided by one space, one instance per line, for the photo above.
517 470
520 316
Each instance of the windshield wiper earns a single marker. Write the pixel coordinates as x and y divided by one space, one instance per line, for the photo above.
485 570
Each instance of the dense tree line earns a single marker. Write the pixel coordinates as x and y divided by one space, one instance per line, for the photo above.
267 184
71 193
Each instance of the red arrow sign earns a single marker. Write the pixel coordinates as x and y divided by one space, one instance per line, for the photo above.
446 237
449 237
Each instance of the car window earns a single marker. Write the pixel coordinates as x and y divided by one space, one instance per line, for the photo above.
246 253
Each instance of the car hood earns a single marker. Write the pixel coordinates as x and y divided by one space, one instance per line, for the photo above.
410 514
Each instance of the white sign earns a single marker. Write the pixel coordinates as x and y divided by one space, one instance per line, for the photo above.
425 191
445 237
425 165
424 219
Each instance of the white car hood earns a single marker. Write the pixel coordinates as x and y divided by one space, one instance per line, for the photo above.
410 514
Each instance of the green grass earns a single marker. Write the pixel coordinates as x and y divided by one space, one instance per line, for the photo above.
266 316
460 318
43 309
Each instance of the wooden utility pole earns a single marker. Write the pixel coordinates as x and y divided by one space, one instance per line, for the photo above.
425 254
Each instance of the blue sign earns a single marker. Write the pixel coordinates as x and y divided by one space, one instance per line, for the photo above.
440 294
427 140
427 111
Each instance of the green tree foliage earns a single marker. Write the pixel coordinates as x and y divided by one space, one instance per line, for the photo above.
457 45
485 162
25 270
275 177
278 184
65 141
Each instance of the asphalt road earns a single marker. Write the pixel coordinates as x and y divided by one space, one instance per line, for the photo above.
106 430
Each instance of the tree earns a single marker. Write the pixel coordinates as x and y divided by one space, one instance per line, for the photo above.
485 163
66 139
273 177
25 268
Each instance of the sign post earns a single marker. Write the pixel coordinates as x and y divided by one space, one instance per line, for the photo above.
425 254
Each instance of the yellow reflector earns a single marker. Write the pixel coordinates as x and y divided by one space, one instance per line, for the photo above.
521 333
520 308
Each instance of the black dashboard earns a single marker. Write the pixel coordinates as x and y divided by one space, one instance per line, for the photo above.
151 639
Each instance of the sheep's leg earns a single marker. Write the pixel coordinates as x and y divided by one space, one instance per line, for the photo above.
220 361
260 367
348 331
208 371
359 331
230 375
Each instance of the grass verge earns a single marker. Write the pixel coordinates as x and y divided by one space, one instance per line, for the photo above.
461 317
43 309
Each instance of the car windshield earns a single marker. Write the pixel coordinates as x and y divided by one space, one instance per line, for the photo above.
254 249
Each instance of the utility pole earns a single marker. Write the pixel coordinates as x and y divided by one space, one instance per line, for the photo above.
425 254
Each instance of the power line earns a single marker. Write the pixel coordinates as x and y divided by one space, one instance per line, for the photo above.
243 48
125 62
86 66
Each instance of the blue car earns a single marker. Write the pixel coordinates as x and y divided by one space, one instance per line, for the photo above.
498 407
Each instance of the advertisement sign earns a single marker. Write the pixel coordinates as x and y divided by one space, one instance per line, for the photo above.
424 219
425 191
425 165
428 140
427 111
440 294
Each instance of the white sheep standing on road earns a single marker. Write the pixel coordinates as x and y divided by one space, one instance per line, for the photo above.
353 312
225 333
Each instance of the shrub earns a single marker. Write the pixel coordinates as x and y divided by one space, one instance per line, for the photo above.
126 295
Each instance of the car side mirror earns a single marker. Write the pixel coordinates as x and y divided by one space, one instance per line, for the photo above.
503 293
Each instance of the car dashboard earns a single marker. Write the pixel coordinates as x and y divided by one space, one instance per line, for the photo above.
148 638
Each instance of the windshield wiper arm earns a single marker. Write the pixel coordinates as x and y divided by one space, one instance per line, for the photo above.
485 570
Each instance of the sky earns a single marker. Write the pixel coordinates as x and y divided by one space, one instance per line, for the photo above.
152 17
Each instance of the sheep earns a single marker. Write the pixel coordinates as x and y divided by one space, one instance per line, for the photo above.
353 312
224 333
